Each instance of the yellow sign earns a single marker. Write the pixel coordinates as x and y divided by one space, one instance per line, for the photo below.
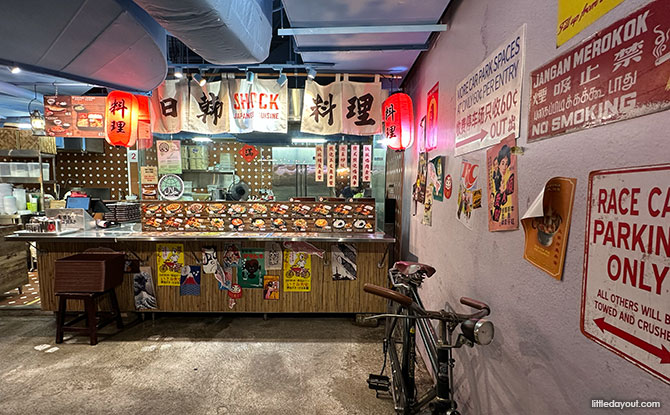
575 15
170 260
297 271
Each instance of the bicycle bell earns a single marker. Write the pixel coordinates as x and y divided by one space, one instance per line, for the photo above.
479 331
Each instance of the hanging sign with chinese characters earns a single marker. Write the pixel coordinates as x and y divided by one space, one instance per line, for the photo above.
355 154
121 118
166 106
248 153
207 108
318 163
619 73
362 107
367 163
488 102
332 174
259 106
398 121
431 117
343 153
322 108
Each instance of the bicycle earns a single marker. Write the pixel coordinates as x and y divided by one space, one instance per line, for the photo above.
405 314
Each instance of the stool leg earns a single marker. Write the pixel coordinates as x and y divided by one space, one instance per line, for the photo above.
115 309
91 307
60 318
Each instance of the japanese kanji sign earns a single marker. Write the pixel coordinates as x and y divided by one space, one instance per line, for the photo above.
332 173
322 108
619 73
362 107
343 154
488 102
367 163
261 106
248 153
625 290
575 15
166 106
355 172
318 163
207 108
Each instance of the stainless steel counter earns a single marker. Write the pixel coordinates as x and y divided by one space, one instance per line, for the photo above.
133 233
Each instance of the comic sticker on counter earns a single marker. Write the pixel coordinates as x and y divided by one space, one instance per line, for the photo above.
252 269
297 271
143 286
271 287
343 261
170 260
502 186
189 282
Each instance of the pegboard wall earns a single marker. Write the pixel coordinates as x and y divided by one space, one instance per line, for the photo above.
106 170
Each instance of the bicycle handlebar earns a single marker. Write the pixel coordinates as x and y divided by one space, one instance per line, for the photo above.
474 303
387 293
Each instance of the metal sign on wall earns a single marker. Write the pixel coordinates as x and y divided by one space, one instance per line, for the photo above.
619 73
575 15
626 283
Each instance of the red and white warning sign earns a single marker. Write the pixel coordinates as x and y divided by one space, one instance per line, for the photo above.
331 165
626 285
318 161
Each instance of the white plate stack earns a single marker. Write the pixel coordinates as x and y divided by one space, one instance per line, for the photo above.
20 195
5 190
9 205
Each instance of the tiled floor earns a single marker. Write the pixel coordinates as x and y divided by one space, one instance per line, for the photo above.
29 298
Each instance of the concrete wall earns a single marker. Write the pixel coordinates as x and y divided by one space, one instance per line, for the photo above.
539 362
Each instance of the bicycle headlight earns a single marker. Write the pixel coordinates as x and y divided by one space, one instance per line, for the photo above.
479 331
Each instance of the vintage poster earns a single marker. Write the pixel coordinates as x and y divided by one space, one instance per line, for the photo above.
619 73
318 163
625 297
331 171
436 176
427 218
575 15
252 269
546 225
74 116
189 282
297 272
355 166
419 188
502 186
169 156
209 260
469 192
143 285
367 163
488 105
431 118
170 260
271 287
273 256
343 261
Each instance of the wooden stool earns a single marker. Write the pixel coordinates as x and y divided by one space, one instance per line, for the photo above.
90 314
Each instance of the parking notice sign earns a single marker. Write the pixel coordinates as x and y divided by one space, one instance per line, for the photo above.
626 283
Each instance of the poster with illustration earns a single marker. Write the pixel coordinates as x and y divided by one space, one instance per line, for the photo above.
436 176
273 256
427 218
252 268
169 156
502 186
143 285
469 192
271 287
343 261
170 260
297 272
546 225
189 283
209 260
419 188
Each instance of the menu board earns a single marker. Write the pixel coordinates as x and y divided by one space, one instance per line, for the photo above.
74 116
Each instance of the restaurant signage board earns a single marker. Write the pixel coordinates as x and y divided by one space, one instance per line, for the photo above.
318 161
575 15
367 163
166 106
618 73
355 172
322 108
169 156
625 289
207 108
260 106
74 116
362 107
331 171
488 100
343 153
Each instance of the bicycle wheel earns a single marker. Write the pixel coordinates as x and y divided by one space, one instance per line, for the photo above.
400 343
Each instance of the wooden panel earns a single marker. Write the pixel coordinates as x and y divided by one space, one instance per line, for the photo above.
326 295
13 263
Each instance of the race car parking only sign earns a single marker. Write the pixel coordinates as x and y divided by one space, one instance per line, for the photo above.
626 285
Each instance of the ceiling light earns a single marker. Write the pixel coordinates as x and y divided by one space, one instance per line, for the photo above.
250 77
201 80
178 73
201 139
311 74
308 140
282 80
15 70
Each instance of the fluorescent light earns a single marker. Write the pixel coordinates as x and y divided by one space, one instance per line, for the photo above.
308 140
311 73
201 139
15 70
178 73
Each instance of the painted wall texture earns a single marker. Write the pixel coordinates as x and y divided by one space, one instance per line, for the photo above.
539 362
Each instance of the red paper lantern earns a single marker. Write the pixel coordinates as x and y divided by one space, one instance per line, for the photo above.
121 114
398 121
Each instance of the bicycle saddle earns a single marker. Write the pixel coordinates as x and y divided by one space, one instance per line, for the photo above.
409 268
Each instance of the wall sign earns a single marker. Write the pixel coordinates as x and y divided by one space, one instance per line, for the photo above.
575 15
331 171
355 171
343 153
169 156
431 117
626 289
318 161
619 73
488 103
367 163
170 187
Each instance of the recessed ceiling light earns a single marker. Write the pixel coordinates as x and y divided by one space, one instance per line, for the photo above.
15 70
178 72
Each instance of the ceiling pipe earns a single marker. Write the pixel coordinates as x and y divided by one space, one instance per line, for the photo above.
15 91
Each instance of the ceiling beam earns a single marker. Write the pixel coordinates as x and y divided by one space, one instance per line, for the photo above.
357 30
360 48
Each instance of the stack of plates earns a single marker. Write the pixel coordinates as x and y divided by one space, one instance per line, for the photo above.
5 190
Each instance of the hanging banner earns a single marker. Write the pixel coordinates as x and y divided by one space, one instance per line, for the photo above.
318 163
343 153
355 172
619 73
343 259
250 273
207 108
546 225
575 15
189 282
488 103
367 163
260 106
431 117
502 186
168 106
169 156
332 171
469 192
362 107
322 108
297 271
170 260
625 296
